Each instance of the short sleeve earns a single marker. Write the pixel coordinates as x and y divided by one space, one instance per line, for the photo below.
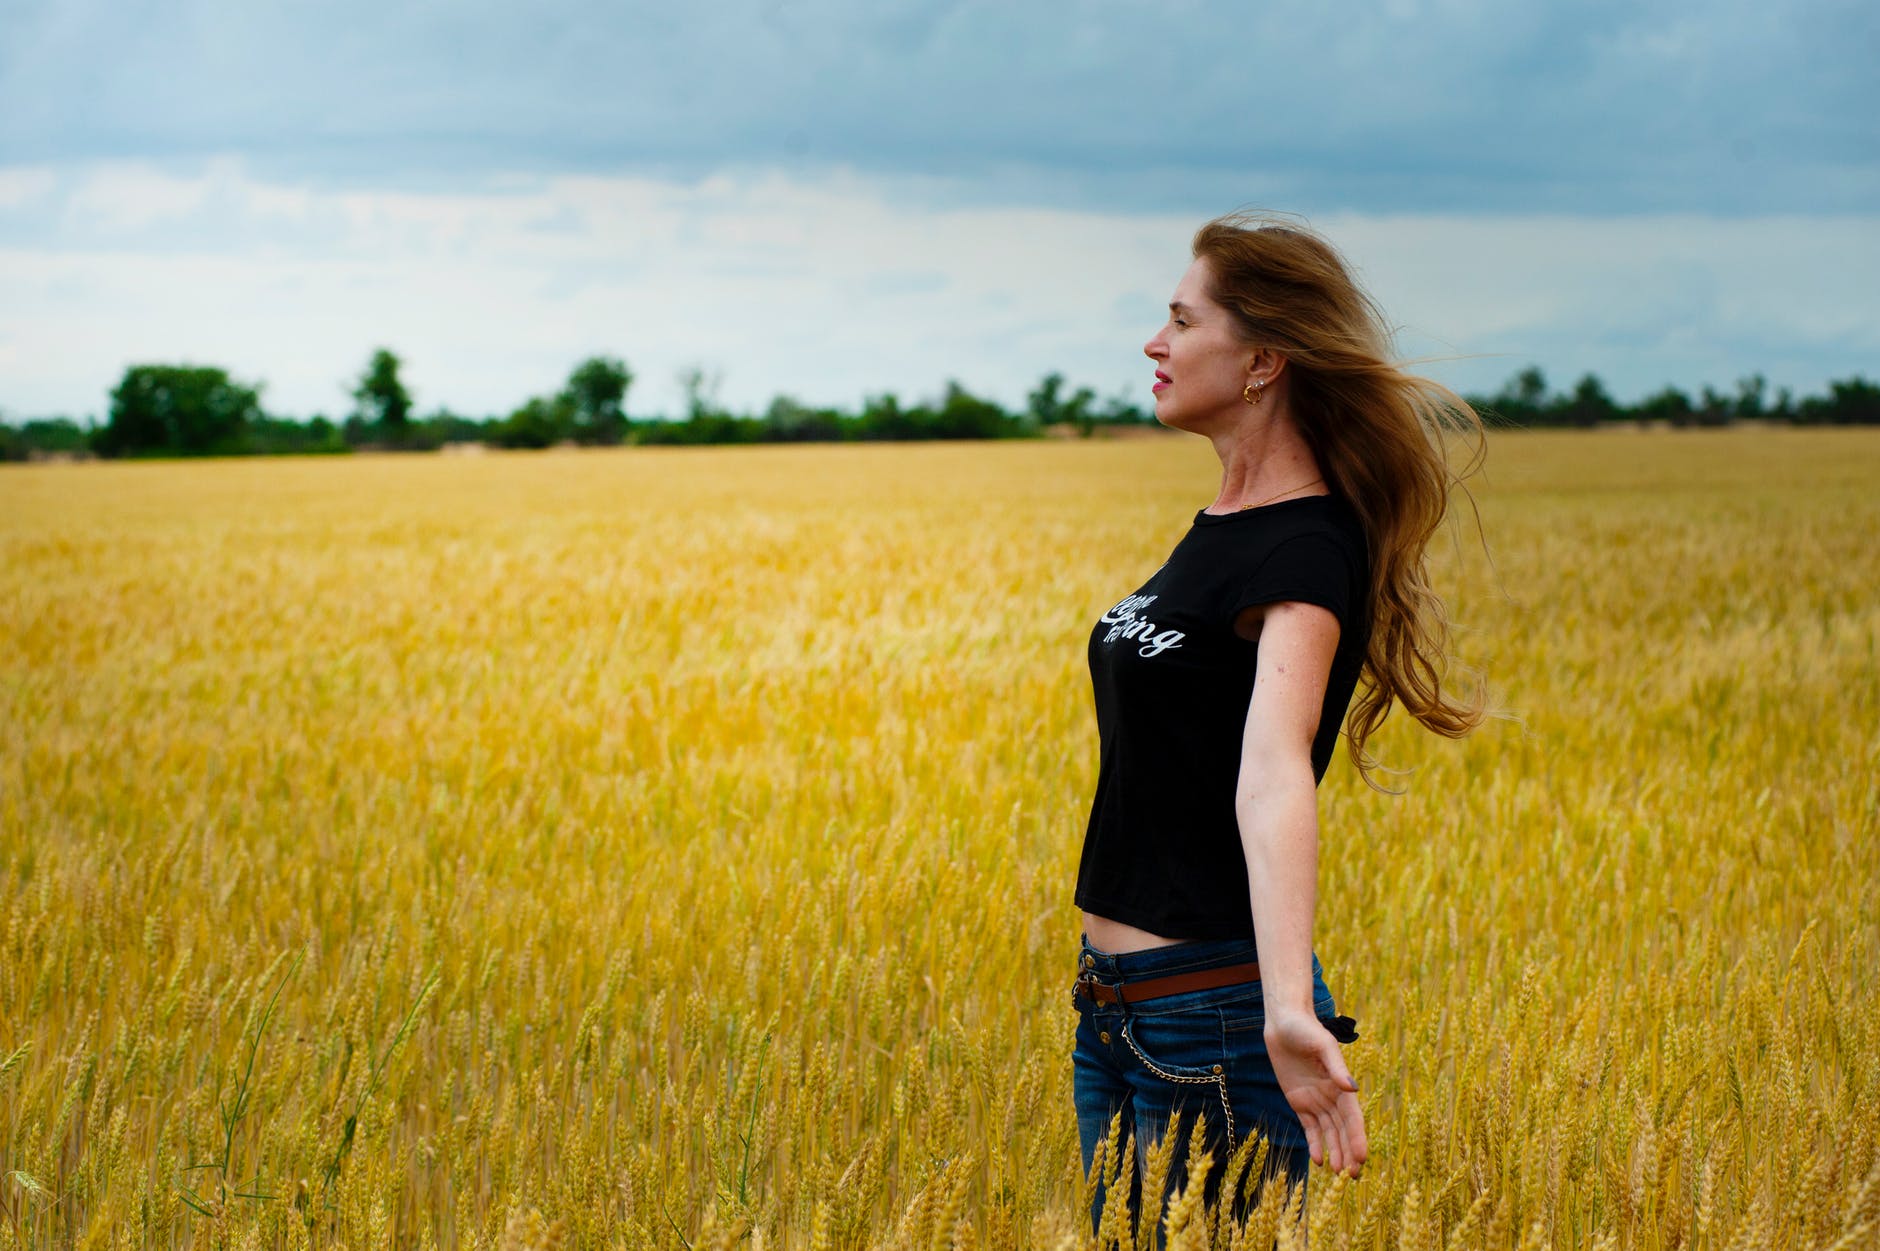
1315 568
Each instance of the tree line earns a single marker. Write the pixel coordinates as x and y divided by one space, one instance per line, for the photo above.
192 410
1525 400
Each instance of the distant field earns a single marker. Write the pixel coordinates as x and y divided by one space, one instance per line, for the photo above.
665 847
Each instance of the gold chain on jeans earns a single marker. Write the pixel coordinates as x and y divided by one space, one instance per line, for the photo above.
1218 1078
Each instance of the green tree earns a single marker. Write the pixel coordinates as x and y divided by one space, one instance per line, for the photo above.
538 423
1522 400
963 415
787 421
1121 409
1589 405
58 436
882 417
1528 388
1046 406
596 394
1850 401
181 409
1750 396
1669 405
1714 408
443 426
383 403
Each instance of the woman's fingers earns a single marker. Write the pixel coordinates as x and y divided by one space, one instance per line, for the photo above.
1351 1137
1340 1155
1360 1139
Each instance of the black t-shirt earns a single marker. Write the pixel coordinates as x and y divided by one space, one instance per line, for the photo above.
1173 682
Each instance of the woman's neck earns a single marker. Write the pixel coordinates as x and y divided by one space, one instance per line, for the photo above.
1263 459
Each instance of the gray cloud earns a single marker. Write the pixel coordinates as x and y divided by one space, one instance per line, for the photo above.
829 289
1390 105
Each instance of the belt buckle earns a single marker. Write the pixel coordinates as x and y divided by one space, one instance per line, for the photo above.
1087 985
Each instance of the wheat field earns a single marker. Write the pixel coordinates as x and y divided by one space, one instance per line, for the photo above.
662 848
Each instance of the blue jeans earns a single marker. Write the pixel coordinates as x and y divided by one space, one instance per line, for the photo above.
1200 1054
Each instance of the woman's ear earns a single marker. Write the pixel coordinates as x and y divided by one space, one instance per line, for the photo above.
1266 365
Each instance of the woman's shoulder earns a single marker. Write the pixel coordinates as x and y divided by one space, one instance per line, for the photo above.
1311 550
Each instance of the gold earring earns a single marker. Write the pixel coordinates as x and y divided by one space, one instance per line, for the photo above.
1253 391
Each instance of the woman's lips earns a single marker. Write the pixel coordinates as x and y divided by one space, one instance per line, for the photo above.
1161 382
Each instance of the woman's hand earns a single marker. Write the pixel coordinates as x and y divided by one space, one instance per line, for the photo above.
1312 1073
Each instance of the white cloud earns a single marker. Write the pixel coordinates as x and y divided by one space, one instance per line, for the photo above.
1639 301
129 196
837 288
23 186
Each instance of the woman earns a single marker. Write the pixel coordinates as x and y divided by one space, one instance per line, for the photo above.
1221 684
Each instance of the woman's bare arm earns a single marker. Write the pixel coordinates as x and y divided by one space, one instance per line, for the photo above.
1277 805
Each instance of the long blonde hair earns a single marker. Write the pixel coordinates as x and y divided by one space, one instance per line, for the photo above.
1379 434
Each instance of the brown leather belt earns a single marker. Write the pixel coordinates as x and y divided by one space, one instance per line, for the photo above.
1174 984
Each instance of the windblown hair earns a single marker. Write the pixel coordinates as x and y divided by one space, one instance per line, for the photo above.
1380 436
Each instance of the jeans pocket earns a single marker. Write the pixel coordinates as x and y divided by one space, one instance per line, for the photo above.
1182 1047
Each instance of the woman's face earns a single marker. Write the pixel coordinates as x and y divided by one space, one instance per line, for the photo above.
1201 368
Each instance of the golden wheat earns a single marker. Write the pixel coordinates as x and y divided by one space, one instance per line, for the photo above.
660 848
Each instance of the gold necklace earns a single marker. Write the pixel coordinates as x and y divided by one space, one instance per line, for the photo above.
1288 491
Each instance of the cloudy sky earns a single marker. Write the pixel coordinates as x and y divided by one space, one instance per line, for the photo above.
833 198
